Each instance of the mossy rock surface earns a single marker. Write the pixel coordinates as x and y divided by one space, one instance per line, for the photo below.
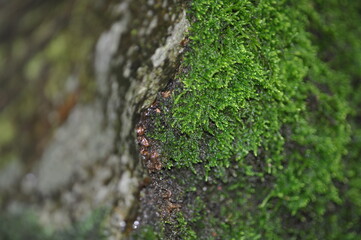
257 137
260 129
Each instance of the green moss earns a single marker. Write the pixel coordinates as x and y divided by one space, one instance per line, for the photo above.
147 233
272 80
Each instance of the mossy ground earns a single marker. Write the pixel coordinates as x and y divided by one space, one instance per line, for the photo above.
267 112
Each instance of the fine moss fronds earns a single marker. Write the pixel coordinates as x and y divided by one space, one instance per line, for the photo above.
271 81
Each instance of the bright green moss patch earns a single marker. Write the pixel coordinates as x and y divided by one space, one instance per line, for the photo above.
253 86
274 81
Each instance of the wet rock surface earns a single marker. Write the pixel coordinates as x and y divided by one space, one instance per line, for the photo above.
165 193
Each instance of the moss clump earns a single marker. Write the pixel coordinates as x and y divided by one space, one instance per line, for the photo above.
272 81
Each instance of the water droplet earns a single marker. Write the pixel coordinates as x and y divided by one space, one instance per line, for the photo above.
136 224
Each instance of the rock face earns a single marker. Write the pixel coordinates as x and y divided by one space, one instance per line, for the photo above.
255 135
88 158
